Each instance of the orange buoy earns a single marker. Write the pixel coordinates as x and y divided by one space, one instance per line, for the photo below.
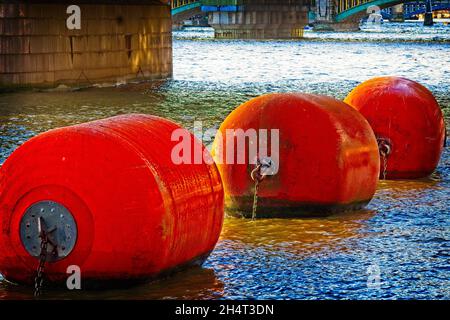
326 159
407 122
106 197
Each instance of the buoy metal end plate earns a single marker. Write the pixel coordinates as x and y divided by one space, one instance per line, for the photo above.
57 222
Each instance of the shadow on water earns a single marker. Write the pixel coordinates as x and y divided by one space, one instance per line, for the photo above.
194 283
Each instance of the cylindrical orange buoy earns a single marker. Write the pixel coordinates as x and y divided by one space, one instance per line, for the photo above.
315 155
407 122
108 198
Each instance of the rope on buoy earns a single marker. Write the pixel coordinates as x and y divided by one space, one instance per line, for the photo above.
385 149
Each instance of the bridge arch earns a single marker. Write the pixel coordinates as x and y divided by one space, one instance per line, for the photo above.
185 9
345 12
181 6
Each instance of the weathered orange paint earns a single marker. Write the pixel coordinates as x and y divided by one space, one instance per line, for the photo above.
328 157
409 117
137 213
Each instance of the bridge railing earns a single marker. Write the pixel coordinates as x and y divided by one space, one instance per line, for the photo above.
179 3
344 5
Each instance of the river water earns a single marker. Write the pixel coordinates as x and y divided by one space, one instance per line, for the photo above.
404 233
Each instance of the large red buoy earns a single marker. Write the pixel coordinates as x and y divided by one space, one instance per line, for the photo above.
110 200
407 122
327 159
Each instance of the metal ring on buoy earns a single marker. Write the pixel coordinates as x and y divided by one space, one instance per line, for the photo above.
256 175
384 146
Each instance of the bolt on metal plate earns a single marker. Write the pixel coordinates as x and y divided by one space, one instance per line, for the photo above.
56 221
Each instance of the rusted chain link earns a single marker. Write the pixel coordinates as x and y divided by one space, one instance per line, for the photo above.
45 240
257 175
385 149
384 167
38 280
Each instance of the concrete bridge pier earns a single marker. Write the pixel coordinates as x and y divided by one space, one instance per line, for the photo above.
46 43
397 13
428 19
257 19
325 12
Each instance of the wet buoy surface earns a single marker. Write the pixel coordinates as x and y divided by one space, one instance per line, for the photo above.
407 122
327 159
110 200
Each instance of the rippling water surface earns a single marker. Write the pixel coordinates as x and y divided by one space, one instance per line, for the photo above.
405 230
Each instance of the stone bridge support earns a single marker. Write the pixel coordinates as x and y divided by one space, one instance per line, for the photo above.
258 19
325 13
118 41
428 19
397 13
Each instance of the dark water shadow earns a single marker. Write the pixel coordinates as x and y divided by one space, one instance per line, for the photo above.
194 283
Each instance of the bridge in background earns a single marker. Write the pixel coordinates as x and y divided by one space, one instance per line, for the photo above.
286 19
347 9
124 40
184 9
412 9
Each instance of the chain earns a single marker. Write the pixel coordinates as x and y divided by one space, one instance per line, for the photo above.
38 280
258 176
384 167
384 148
255 200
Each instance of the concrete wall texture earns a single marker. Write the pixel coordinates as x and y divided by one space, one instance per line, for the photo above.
116 43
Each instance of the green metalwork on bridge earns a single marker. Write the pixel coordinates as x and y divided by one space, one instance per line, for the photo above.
348 8
344 9
180 6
